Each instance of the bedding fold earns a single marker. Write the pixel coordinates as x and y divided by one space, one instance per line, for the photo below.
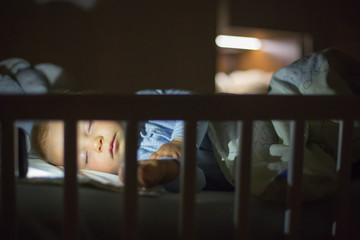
329 72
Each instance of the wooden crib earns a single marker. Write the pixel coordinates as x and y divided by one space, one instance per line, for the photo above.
190 108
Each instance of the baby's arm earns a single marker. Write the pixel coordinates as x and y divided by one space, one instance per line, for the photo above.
154 172
170 149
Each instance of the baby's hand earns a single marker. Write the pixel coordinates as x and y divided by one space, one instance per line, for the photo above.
154 172
170 149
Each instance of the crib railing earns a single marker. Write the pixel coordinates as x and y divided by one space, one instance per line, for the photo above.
192 108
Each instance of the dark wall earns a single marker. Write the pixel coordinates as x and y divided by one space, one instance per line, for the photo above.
332 23
122 46
118 46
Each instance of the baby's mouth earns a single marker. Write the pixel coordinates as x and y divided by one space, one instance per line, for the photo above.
113 146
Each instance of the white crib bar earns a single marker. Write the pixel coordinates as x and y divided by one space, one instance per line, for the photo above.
242 182
129 227
343 171
8 190
70 217
188 176
295 170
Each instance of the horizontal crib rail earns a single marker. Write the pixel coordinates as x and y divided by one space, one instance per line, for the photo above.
133 109
191 107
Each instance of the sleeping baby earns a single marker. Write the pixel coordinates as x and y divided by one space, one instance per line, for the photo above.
101 147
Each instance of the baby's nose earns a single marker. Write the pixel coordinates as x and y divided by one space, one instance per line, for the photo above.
98 143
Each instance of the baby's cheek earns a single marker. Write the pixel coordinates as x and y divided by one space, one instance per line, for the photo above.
103 164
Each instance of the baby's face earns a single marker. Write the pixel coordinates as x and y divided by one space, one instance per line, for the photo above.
100 145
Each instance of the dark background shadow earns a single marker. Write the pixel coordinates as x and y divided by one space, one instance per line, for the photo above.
123 46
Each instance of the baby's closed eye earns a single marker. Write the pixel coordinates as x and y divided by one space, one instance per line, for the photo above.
83 158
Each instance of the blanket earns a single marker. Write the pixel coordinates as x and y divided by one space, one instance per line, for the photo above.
18 76
327 72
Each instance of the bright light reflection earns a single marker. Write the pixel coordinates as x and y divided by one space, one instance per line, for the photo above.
38 173
248 43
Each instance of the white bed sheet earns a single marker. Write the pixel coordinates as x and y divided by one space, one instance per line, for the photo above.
40 170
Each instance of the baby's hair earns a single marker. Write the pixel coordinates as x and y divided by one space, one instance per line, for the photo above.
38 138
40 130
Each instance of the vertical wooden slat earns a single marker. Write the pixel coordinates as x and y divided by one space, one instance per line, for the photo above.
8 208
293 211
343 171
70 217
130 189
242 182
188 188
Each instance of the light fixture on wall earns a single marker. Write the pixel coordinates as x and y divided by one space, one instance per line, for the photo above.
237 42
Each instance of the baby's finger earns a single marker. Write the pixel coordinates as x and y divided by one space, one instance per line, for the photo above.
154 155
168 155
